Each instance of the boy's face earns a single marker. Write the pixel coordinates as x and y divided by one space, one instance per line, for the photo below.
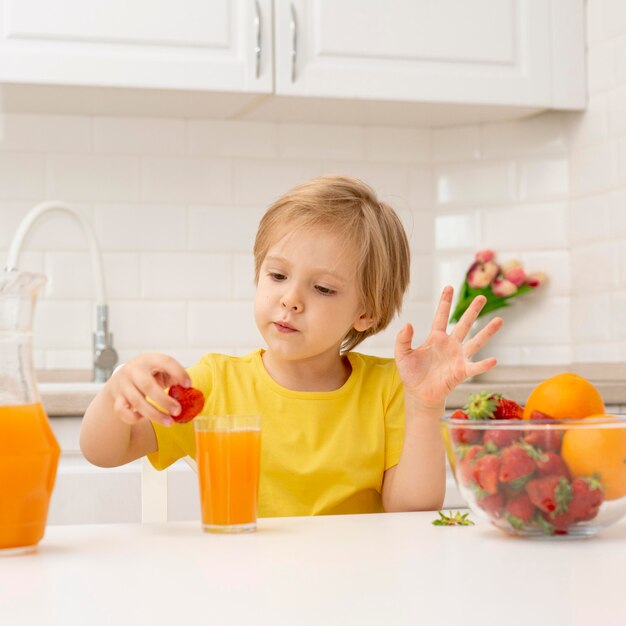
307 297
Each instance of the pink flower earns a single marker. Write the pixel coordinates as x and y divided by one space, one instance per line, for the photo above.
502 287
535 279
514 272
485 255
481 274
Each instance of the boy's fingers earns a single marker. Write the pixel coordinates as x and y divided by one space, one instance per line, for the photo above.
125 412
482 338
156 396
404 339
468 318
139 404
440 322
170 370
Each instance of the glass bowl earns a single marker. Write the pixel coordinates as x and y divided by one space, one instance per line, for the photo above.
541 478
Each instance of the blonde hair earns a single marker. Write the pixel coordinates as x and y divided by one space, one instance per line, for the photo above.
350 208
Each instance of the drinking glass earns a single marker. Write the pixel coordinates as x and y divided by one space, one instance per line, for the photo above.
228 454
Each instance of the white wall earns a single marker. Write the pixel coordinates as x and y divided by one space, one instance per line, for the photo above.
175 205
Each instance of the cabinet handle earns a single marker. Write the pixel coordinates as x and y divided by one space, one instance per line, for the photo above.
293 26
257 47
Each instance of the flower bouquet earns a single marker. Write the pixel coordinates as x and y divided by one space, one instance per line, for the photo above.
498 283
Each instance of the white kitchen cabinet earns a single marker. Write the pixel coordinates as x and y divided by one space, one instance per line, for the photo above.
472 51
440 61
188 44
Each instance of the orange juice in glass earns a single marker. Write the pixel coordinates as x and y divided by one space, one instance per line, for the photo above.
228 454
29 455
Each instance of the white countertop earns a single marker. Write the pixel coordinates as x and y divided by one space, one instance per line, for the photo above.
363 569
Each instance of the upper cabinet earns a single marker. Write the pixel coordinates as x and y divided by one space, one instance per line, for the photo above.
205 45
405 61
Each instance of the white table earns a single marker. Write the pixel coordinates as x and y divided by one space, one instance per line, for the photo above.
362 569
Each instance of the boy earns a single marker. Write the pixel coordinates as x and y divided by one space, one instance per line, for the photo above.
343 432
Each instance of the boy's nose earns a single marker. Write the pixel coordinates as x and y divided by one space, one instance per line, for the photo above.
292 303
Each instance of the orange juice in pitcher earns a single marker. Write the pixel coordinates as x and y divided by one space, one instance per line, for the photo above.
29 453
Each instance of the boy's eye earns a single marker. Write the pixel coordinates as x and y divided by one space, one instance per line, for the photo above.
325 291
277 276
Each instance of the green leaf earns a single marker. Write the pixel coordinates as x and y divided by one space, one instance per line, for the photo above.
458 519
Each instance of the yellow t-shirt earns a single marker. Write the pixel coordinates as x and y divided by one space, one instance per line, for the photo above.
321 452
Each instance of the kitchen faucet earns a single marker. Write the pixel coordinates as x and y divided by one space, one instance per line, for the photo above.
104 355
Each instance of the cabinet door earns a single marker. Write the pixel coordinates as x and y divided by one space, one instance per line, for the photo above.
467 51
187 44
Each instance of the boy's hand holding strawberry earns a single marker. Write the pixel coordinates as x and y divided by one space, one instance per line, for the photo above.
138 390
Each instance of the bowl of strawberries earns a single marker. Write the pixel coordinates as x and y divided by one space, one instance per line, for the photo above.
533 474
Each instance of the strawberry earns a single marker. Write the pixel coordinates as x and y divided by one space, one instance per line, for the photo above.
558 523
486 470
487 405
500 437
549 439
508 409
517 463
191 401
464 435
492 504
587 496
481 406
519 510
465 467
551 494
551 463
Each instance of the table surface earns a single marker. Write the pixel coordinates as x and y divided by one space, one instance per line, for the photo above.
359 569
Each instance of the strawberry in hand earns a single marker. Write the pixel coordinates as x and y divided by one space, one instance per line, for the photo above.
191 401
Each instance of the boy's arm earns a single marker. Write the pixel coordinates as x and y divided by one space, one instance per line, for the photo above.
107 441
418 481
116 428
429 373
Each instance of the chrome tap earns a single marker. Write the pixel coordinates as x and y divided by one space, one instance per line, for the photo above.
104 354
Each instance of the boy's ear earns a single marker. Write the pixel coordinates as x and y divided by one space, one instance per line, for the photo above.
363 323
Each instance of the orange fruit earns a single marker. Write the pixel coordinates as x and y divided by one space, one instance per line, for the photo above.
564 396
599 451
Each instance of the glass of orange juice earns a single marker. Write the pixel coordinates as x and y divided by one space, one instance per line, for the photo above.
228 454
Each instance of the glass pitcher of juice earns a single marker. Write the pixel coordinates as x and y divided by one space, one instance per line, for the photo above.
29 453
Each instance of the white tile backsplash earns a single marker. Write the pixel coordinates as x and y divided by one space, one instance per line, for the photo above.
92 178
45 133
136 227
223 228
477 183
175 205
22 176
118 135
232 139
158 323
401 145
526 226
189 276
460 143
320 141
186 180
542 134
544 178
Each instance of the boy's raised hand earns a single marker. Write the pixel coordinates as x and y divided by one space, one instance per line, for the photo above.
431 371
144 377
